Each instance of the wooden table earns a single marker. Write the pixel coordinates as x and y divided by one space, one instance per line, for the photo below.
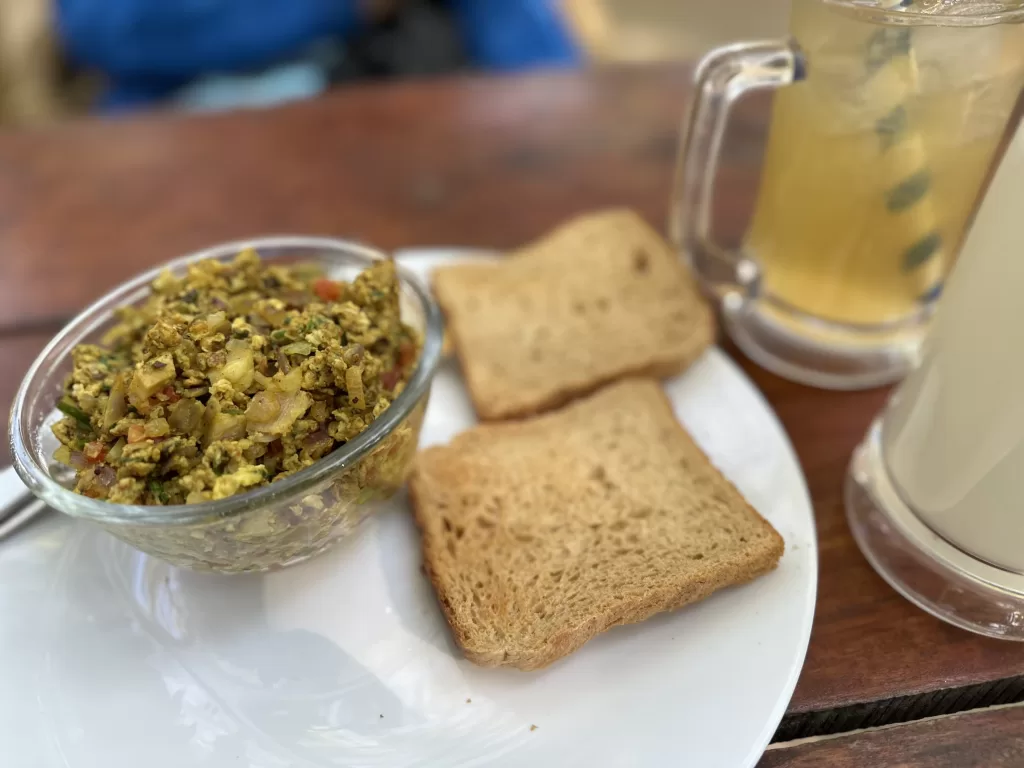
494 162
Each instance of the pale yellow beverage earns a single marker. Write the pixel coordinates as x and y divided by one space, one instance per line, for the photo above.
875 161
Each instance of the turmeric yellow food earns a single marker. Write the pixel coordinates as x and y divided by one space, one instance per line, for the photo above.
230 377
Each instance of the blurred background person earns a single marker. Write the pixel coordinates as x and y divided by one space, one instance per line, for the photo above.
231 53
61 57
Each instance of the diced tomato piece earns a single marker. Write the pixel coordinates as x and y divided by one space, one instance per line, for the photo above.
95 452
326 290
136 433
406 354
390 378
170 394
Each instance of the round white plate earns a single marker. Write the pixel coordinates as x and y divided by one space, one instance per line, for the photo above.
109 659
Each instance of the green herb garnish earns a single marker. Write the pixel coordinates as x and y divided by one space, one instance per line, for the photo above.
76 413
157 489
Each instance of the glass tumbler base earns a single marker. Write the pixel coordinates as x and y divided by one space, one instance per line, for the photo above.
815 352
918 563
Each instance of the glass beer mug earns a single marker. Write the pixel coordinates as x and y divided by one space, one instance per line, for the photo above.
884 128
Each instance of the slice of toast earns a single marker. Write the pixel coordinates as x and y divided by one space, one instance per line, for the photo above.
601 297
539 534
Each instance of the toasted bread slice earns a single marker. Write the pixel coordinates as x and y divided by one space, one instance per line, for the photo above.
539 534
601 297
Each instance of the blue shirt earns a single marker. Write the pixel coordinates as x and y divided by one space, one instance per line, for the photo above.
151 48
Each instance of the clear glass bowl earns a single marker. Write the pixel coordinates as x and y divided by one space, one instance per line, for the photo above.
275 525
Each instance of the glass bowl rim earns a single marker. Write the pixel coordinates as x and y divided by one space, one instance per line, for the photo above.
985 14
38 479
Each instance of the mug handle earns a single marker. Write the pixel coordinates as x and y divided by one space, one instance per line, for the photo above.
722 76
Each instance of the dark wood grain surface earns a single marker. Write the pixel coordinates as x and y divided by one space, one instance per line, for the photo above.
489 162
991 738
874 658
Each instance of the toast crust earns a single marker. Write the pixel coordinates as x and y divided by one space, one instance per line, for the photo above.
600 298
483 461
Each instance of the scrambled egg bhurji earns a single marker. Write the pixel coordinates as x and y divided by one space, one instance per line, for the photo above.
231 377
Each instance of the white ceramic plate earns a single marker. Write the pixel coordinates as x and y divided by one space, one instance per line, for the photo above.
109 659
